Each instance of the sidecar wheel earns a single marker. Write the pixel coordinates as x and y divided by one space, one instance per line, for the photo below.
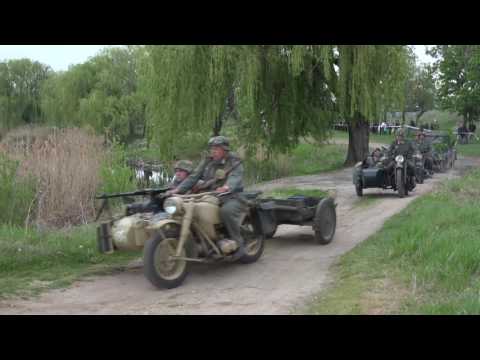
158 268
359 188
325 222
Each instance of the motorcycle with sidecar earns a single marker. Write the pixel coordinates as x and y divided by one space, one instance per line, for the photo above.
189 229
388 173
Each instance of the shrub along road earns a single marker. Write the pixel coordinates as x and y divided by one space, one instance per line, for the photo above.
291 271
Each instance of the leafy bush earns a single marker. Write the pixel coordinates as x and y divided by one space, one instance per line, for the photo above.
116 175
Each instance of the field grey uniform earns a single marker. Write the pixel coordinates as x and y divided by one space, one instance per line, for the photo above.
233 209
425 148
404 148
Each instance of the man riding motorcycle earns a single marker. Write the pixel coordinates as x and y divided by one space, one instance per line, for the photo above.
203 179
425 149
401 146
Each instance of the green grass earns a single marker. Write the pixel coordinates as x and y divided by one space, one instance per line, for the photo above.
425 260
31 262
469 149
446 120
374 138
283 193
308 159
305 159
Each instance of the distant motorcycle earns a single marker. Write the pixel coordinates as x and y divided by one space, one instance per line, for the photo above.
378 176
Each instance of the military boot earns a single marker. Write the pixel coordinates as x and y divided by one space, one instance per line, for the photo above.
241 251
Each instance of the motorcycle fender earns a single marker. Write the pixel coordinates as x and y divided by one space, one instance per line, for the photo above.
159 226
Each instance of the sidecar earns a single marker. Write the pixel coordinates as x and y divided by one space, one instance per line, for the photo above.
369 177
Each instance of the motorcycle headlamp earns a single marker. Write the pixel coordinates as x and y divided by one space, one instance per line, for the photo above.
399 159
173 205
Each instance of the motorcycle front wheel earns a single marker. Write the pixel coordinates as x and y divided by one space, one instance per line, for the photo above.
159 268
401 188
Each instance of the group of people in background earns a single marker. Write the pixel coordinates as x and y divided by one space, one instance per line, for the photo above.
465 133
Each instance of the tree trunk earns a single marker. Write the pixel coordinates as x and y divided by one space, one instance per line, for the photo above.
218 124
403 117
419 116
358 138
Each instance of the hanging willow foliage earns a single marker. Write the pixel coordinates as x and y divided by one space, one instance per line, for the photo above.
371 76
282 92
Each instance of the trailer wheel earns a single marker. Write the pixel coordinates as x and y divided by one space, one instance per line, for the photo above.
325 222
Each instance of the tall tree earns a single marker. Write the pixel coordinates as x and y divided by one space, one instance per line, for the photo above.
370 76
421 90
20 84
101 93
458 71
281 92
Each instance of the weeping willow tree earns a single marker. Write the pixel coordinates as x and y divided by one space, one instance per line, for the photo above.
370 77
281 93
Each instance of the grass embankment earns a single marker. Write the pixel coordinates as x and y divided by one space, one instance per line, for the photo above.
31 262
426 260
472 150
305 159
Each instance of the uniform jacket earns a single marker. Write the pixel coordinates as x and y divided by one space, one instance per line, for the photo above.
423 146
406 149
205 171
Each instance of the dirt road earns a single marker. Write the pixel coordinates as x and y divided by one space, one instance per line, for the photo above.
291 270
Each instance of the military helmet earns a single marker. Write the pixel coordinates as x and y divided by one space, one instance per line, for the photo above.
185 165
221 141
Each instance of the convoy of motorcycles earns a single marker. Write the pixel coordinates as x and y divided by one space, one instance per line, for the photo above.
401 174
176 231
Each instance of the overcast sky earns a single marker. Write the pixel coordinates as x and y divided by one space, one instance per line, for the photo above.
420 52
59 57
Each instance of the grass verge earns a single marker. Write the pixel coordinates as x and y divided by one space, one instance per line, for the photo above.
425 260
374 138
31 262
305 159
469 149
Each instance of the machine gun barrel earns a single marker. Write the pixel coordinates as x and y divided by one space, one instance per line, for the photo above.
143 192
